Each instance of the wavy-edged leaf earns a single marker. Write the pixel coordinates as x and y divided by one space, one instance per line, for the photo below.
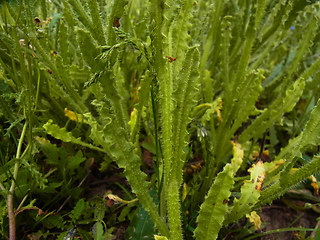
283 185
311 132
180 36
89 50
250 193
274 112
225 54
62 134
123 152
96 19
305 43
185 97
77 210
310 136
117 12
63 42
215 206
247 97
94 26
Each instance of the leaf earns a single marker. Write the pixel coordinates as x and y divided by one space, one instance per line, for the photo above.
288 181
97 231
214 207
310 136
77 211
237 159
185 96
250 193
141 226
255 219
62 134
50 150
73 116
96 19
156 237
89 50
53 221
274 112
133 120
76 160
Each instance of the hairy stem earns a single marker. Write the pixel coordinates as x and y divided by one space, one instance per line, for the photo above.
11 215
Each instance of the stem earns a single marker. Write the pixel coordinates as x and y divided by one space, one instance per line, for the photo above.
11 215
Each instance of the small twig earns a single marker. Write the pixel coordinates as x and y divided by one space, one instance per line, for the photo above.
2 187
21 203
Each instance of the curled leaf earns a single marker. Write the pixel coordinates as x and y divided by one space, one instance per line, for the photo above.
119 200
255 219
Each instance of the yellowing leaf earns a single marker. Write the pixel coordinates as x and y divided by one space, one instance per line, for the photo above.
257 174
271 166
119 200
314 184
184 192
133 118
73 116
42 140
156 237
236 161
255 219
250 193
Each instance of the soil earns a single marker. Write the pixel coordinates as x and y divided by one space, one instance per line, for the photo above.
279 215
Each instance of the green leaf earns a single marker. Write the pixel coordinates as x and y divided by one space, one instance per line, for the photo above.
141 226
97 231
76 160
281 186
213 210
62 134
53 221
274 112
77 211
310 136
96 19
89 49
